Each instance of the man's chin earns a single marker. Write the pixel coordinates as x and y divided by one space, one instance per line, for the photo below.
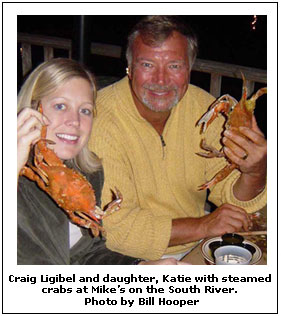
156 107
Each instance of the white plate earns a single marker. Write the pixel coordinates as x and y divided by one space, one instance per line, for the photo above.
207 254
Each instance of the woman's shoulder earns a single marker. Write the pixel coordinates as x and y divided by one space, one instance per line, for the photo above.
42 227
32 199
26 188
96 179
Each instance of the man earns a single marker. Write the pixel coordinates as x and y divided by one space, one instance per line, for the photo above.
145 134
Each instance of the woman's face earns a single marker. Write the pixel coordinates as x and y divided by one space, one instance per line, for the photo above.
70 111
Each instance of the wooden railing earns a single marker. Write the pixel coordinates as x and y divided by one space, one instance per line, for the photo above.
217 70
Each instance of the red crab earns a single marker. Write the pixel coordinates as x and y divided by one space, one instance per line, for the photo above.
70 190
237 114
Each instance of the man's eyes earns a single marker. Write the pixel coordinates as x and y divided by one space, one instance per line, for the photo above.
175 66
172 66
147 65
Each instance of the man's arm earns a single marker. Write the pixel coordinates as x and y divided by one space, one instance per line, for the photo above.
225 219
229 218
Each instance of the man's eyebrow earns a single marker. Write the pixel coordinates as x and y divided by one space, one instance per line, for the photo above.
143 59
182 61
170 61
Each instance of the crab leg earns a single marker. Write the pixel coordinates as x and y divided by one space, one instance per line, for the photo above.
31 173
218 177
84 222
221 105
212 151
258 94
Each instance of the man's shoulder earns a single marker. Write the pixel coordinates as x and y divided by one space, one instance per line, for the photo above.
111 102
112 91
195 90
198 98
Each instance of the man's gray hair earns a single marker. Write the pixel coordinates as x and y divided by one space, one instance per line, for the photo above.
155 29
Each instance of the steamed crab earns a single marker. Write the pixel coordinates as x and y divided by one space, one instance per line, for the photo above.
67 187
237 114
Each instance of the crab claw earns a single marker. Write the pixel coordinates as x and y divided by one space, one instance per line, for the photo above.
206 119
96 230
98 212
115 204
221 105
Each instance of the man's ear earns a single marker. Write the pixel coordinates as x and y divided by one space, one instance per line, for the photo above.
128 72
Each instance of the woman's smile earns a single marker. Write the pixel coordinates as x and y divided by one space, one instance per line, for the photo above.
68 138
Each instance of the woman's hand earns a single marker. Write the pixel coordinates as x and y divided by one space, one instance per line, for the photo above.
29 124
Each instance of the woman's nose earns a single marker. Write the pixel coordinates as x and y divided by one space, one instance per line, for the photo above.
72 119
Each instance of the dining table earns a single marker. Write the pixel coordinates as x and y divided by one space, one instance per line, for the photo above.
257 235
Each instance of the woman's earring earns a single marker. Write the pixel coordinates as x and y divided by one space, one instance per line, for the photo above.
127 70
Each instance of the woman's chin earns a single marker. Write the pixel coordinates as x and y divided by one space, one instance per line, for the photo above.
66 156
66 152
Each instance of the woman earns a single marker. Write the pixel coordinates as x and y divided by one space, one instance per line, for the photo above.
67 93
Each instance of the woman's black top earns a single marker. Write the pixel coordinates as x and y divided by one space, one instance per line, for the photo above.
43 230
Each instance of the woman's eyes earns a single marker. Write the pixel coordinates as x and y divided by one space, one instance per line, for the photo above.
86 111
60 106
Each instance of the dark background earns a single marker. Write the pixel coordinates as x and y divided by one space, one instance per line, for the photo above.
230 39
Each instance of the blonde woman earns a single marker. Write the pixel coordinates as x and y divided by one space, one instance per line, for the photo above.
67 92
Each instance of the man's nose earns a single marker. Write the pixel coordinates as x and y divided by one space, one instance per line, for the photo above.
161 76
73 119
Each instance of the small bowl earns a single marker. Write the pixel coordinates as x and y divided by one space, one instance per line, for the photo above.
214 246
249 247
232 255
232 239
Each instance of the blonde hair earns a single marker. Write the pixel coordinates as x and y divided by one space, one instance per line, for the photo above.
45 79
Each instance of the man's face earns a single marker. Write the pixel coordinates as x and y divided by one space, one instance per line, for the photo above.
160 75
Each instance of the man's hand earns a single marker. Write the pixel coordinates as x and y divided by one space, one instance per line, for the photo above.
225 219
247 149
167 261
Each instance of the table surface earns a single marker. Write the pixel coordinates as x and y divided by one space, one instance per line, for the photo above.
195 257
